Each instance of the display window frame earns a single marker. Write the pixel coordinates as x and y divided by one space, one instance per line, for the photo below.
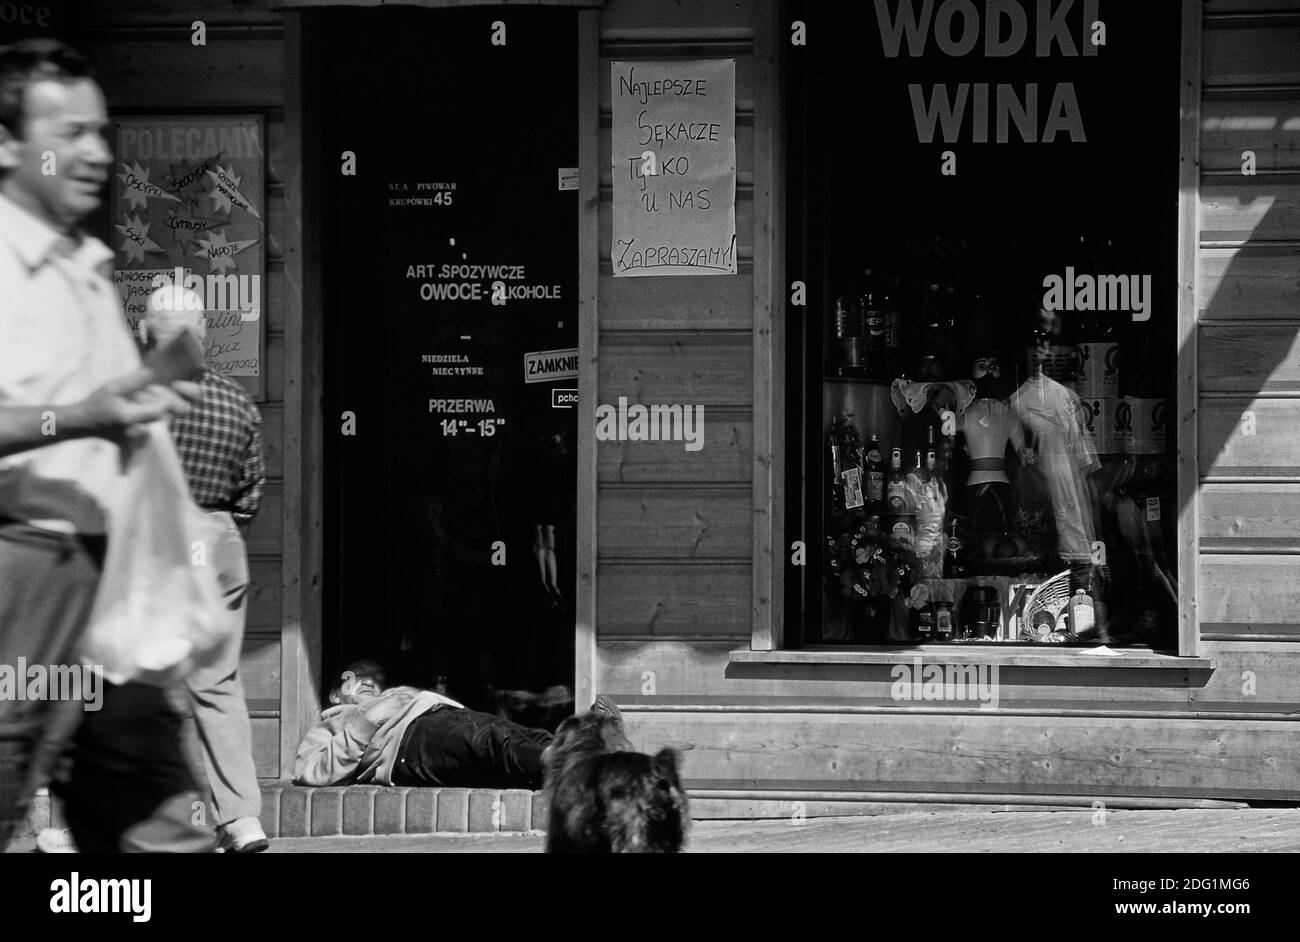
799 411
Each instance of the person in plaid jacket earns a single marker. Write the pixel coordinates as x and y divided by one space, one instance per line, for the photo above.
220 446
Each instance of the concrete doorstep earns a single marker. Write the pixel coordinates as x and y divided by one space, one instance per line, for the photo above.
294 811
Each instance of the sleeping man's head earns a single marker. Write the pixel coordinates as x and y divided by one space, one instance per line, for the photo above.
358 682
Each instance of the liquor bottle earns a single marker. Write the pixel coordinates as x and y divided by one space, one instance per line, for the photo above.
915 481
955 567
925 622
841 331
930 542
851 461
834 464
944 628
1082 614
895 328
896 489
872 303
875 477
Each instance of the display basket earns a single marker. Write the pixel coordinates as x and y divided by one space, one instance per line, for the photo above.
1052 596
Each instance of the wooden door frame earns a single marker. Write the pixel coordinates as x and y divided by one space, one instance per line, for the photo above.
1186 391
304 360
585 651
769 559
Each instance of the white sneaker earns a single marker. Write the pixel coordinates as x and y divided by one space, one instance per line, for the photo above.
244 836
55 841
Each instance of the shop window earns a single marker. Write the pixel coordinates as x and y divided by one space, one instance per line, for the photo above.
984 214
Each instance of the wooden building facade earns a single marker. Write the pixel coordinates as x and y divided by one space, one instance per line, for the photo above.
684 558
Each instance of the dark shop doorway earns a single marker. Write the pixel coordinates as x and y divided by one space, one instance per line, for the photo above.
450 269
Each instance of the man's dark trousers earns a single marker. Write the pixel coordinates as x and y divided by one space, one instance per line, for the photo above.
451 747
130 786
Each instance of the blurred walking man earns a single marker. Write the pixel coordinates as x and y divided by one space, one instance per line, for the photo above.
71 388
220 445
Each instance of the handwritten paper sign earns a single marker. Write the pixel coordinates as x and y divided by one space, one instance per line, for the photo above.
189 203
674 155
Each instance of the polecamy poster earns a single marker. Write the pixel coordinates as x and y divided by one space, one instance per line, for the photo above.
189 204
673 148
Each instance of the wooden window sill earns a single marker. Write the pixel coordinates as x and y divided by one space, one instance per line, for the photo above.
1001 655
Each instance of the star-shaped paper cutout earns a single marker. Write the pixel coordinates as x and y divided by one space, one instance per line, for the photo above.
225 191
135 238
187 236
138 189
187 177
219 252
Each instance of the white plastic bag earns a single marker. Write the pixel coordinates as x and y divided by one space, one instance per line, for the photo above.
157 613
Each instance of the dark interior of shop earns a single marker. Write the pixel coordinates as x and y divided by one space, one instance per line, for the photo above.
450 512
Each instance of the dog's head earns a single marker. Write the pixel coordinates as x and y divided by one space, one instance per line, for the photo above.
589 734
645 808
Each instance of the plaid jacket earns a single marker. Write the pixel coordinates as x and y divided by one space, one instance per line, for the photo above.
220 444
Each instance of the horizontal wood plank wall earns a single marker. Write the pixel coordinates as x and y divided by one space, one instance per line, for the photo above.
951 752
146 63
674 546
1248 280
675 584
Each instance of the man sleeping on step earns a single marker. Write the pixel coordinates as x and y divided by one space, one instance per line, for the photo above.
377 735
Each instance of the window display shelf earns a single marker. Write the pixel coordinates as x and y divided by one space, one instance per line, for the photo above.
883 383
1002 654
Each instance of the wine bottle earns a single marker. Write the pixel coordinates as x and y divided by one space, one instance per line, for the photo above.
851 460
930 543
875 476
834 465
896 489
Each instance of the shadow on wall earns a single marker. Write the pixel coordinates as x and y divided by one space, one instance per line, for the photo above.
1249 290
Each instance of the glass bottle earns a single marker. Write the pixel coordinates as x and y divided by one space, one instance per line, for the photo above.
895 328
944 626
834 465
873 321
915 481
955 566
896 489
925 622
875 477
851 460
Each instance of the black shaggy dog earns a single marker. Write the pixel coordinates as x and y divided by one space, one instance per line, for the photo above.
606 798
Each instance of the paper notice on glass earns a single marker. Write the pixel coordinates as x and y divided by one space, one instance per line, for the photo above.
135 286
233 342
674 167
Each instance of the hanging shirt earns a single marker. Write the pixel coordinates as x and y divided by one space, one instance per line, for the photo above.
1064 459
